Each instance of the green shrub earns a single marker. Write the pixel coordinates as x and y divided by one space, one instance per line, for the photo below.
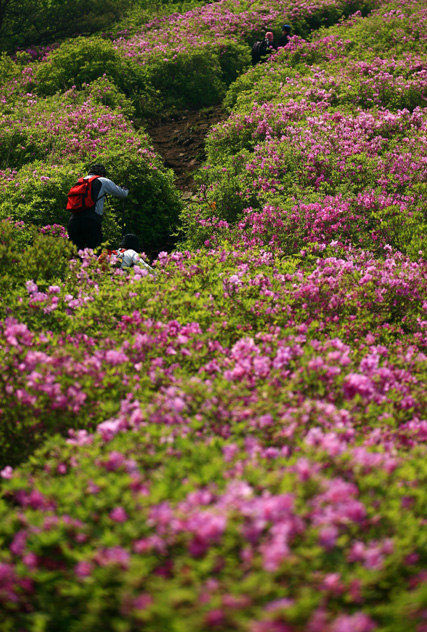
29 25
103 91
407 234
234 58
38 194
80 61
49 143
27 254
192 80
8 69
391 27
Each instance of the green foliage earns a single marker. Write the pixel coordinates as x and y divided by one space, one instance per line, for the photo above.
234 59
393 28
26 254
41 196
105 92
49 143
8 69
142 11
80 61
407 234
327 15
192 80
25 24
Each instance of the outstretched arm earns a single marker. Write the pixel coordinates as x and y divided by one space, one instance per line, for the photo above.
112 189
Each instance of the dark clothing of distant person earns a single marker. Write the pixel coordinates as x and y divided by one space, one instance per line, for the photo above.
261 49
283 40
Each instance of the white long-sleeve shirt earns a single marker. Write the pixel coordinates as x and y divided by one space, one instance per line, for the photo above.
130 258
107 188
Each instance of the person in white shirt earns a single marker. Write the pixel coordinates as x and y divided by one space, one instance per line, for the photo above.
127 253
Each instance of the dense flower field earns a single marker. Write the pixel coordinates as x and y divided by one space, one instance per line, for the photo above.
97 85
233 428
231 19
237 442
327 141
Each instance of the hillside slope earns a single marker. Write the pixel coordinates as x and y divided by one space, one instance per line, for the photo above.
180 142
237 440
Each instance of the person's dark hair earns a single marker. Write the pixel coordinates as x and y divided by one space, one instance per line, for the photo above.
97 170
130 241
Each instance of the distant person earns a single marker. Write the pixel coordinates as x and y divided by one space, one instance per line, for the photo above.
284 38
86 205
270 41
261 49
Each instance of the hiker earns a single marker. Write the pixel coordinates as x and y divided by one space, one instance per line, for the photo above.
85 225
284 38
270 41
260 50
126 256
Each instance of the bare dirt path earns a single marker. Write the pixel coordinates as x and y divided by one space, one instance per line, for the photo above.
180 141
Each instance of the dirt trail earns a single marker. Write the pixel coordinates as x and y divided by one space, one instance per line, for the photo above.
180 141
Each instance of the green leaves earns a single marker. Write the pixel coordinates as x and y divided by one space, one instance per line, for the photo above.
80 61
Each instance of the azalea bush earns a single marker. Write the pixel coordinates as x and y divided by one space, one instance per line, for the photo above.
157 65
187 320
28 252
158 529
179 482
327 176
235 439
45 151
194 491
313 129
194 77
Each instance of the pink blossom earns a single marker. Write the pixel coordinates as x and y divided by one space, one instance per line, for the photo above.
7 472
358 622
118 514
83 569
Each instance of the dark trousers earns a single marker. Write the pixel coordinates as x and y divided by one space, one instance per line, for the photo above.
84 232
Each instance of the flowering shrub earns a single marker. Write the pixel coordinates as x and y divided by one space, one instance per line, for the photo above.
330 177
332 147
202 500
188 323
180 60
182 483
45 150
238 441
